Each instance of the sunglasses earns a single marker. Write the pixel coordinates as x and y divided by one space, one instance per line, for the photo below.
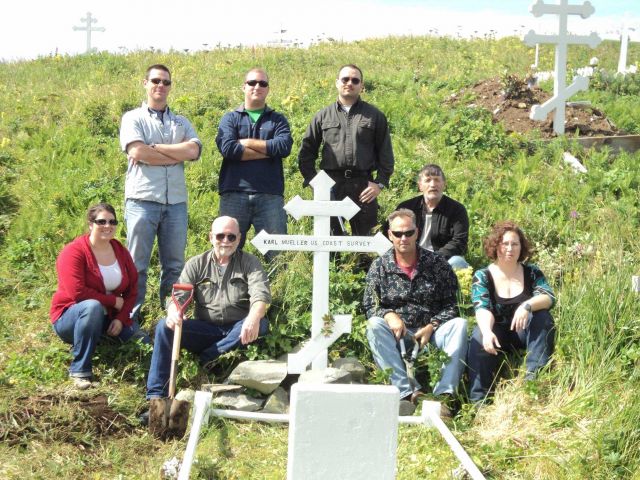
158 81
230 236
408 233
253 83
103 221
354 80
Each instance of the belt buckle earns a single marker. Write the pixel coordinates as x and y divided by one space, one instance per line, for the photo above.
348 173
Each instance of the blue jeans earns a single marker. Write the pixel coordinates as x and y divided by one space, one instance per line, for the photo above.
262 210
458 263
209 341
146 220
82 325
538 339
451 337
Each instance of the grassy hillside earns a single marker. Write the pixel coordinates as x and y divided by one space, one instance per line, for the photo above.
59 120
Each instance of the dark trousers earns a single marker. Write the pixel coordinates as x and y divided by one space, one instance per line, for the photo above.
362 223
538 339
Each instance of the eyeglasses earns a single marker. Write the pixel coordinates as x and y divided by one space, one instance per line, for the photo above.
253 83
408 233
103 221
354 80
158 81
230 236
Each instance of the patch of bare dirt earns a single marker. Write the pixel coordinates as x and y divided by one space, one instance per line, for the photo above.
512 110
61 418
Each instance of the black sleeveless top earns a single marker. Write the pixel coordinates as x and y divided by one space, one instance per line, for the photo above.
506 307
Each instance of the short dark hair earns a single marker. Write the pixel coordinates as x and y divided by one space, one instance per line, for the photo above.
157 66
354 67
494 239
431 170
402 212
256 69
94 210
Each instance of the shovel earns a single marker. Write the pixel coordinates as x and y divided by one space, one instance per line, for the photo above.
409 362
168 417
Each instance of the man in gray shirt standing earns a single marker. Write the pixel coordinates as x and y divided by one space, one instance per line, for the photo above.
355 143
157 143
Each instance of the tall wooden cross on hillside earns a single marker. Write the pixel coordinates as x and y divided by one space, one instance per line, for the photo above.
322 208
561 92
89 20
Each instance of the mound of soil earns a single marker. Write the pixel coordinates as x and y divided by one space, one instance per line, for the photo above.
40 416
513 112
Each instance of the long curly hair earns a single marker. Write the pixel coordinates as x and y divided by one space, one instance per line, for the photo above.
494 239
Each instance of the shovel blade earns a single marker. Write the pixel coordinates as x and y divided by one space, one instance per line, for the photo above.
168 418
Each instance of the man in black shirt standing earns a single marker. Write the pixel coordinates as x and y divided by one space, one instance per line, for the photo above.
443 223
355 143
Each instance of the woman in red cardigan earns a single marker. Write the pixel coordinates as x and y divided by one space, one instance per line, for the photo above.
97 287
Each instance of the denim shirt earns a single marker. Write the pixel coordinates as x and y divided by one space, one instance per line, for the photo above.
254 176
430 297
155 183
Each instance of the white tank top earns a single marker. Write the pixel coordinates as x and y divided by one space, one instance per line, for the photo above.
111 276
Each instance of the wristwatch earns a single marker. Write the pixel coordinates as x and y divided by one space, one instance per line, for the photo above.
527 307
380 185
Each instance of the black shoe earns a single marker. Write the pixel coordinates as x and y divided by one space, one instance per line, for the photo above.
143 418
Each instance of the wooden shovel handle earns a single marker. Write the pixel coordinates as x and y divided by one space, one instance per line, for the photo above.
175 355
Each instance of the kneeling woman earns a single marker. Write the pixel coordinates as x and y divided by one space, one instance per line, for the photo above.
512 301
97 287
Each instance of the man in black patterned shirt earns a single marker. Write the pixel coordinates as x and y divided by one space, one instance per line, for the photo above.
411 296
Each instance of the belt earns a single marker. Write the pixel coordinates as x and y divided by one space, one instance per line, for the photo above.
348 173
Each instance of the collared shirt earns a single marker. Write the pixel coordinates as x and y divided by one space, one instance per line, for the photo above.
429 297
254 176
225 297
156 183
357 140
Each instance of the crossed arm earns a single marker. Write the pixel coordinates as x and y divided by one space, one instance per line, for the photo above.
162 154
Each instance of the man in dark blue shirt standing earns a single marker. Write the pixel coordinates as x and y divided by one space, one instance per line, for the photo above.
253 139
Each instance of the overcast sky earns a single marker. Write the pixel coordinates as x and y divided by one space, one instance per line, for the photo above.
32 28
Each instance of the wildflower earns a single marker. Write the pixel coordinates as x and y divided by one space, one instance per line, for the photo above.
574 214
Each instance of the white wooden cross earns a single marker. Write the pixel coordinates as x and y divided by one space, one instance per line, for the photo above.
88 20
624 45
322 208
560 90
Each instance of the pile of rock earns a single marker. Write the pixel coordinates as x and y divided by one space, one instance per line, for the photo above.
263 385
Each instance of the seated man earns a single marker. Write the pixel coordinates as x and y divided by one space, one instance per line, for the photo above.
443 223
411 295
230 301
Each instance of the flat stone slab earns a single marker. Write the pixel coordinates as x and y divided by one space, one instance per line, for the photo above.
217 388
278 402
261 375
238 401
353 366
325 375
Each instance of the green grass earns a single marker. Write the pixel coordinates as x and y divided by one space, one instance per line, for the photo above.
59 153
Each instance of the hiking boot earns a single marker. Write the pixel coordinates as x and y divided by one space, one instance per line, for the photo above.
143 418
81 383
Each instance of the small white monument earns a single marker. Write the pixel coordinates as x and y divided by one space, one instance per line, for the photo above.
561 92
624 46
342 432
322 208
89 20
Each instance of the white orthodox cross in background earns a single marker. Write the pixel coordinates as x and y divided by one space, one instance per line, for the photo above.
88 27
561 92
322 208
